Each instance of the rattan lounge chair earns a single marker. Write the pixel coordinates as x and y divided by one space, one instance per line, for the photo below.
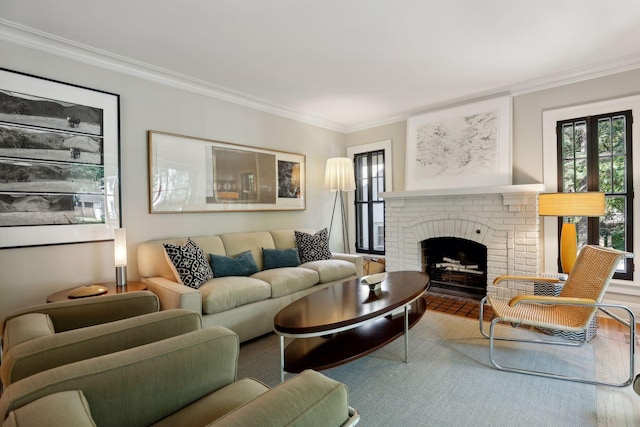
571 311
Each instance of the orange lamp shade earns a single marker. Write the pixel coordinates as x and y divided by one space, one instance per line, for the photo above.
589 203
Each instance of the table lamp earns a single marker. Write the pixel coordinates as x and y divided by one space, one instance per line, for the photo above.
339 177
120 255
589 203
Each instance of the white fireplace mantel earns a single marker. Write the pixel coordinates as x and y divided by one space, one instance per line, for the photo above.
502 218
463 191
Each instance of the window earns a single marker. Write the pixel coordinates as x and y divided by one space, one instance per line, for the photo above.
373 174
369 173
594 154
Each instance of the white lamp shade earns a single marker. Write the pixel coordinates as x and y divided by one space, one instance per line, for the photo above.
120 247
339 174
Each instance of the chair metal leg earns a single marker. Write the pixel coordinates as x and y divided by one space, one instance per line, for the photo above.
631 324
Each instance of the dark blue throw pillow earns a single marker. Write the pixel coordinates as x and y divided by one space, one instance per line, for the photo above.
275 258
240 265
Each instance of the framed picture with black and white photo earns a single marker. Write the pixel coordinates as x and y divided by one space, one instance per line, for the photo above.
59 162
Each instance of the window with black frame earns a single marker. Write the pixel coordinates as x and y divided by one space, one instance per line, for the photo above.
594 154
369 207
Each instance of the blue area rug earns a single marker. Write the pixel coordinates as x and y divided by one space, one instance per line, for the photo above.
449 380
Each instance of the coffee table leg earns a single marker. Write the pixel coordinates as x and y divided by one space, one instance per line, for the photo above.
406 334
281 358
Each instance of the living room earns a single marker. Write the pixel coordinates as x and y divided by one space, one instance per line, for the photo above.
153 99
181 107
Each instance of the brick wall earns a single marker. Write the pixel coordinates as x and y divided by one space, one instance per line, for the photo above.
506 223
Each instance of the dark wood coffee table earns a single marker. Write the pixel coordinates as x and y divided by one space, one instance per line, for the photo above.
344 322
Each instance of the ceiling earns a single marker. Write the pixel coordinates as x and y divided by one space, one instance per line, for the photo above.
346 64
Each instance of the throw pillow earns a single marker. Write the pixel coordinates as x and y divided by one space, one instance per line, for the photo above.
313 247
240 265
275 258
190 263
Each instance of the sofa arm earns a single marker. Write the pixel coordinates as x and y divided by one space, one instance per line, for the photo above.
83 312
356 259
48 352
67 408
309 398
174 295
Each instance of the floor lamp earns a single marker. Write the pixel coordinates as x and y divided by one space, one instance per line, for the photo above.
339 178
589 203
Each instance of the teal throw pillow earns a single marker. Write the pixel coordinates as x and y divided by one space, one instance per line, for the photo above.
240 265
275 258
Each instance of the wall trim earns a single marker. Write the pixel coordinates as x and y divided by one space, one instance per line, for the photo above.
59 46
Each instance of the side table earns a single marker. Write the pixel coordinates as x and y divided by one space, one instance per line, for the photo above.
112 288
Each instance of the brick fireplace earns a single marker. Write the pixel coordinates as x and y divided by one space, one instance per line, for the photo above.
504 219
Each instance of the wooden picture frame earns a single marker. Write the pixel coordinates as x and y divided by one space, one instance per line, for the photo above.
189 174
464 146
59 162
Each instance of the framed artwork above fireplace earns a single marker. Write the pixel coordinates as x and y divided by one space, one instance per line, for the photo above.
463 146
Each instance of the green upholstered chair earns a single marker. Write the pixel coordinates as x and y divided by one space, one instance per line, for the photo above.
47 335
189 379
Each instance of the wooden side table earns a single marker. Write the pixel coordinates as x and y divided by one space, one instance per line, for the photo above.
112 288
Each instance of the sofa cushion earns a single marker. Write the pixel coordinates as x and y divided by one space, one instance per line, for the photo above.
284 239
287 280
26 327
224 293
240 265
66 408
331 269
190 264
276 258
234 243
313 247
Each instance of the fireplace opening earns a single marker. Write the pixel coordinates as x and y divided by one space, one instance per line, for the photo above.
456 266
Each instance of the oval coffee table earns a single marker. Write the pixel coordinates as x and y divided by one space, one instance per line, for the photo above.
346 321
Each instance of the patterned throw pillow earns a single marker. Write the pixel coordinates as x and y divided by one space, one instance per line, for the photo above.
240 265
190 263
313 247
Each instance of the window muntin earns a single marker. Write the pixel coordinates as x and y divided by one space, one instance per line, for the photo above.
595 155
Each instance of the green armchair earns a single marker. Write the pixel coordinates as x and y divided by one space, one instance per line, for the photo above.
48 335
188 379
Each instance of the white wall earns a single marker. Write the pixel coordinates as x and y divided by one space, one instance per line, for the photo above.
397 133
28 275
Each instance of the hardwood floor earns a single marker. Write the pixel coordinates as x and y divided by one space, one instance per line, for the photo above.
615 406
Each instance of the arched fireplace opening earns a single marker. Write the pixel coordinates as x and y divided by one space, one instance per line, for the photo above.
456 266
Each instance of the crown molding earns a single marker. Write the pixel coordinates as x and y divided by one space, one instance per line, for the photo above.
65 48
48 43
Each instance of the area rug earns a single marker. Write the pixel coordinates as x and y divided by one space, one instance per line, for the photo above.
449 380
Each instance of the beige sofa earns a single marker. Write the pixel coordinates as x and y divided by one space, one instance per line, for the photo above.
186 380
246 305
